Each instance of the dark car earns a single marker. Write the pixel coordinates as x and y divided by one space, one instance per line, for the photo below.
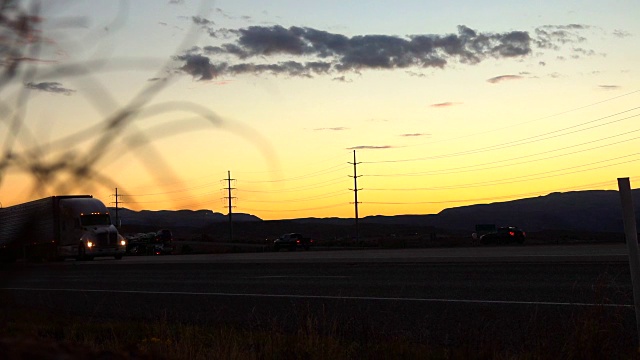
163 242
504 235
292 241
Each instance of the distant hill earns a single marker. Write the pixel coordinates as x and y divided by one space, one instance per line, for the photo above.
177 218
591 210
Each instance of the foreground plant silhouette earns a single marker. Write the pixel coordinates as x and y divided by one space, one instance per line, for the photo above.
75 160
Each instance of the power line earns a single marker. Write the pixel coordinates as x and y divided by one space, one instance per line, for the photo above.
332 169
301 188
509 144
612 183
298 210
530 121
174 191
270 172
317 197
513 179
479 168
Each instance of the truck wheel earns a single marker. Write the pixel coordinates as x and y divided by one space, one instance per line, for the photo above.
82 254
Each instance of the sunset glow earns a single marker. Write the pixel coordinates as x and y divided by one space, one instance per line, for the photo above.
442 104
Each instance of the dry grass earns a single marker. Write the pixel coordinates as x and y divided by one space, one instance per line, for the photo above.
28 334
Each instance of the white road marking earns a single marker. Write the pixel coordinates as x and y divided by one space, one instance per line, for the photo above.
328 297
299 277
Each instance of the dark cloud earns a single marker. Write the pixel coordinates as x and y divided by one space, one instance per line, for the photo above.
221 12
415 135
377 120
339 128
311 52
445 104
176 2
206 24
554 36
221 33
201 21
52 87
197 66
497 79
582 51
342 79
417 74
621 33
370 147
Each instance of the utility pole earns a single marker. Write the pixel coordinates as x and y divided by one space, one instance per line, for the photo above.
230 199
117 217
355 190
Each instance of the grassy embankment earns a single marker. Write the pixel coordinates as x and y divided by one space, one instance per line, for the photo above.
594 333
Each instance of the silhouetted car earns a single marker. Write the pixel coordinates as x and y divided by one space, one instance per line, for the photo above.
292 241
504 235
163 242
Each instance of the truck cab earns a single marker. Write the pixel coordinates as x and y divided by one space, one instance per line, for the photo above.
86 230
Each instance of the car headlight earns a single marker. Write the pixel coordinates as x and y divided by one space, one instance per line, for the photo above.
123 242
89 244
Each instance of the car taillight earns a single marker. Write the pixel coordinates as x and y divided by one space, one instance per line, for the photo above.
512 233
298 241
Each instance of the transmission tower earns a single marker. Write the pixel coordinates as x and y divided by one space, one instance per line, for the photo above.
355 190
230 203
117 202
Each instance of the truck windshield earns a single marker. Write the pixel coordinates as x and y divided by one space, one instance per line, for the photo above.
95 219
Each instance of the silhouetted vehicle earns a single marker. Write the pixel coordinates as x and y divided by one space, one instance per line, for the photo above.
58 227
292 241
164 237
504 235
158 243
482 229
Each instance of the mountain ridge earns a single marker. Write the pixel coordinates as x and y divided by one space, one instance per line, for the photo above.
586 210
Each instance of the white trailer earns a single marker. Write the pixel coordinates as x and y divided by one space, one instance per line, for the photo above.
58 227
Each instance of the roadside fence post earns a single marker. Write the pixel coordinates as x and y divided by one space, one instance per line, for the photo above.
631 235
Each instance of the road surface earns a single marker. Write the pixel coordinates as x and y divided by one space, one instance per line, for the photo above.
434 294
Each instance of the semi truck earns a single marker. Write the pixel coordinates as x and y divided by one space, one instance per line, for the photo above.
59 227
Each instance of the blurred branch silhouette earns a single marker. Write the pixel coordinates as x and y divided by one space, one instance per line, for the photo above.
60 165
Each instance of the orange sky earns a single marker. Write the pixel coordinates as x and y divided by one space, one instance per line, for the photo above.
444 105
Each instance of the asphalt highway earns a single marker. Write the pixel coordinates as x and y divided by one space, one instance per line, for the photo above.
429 294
